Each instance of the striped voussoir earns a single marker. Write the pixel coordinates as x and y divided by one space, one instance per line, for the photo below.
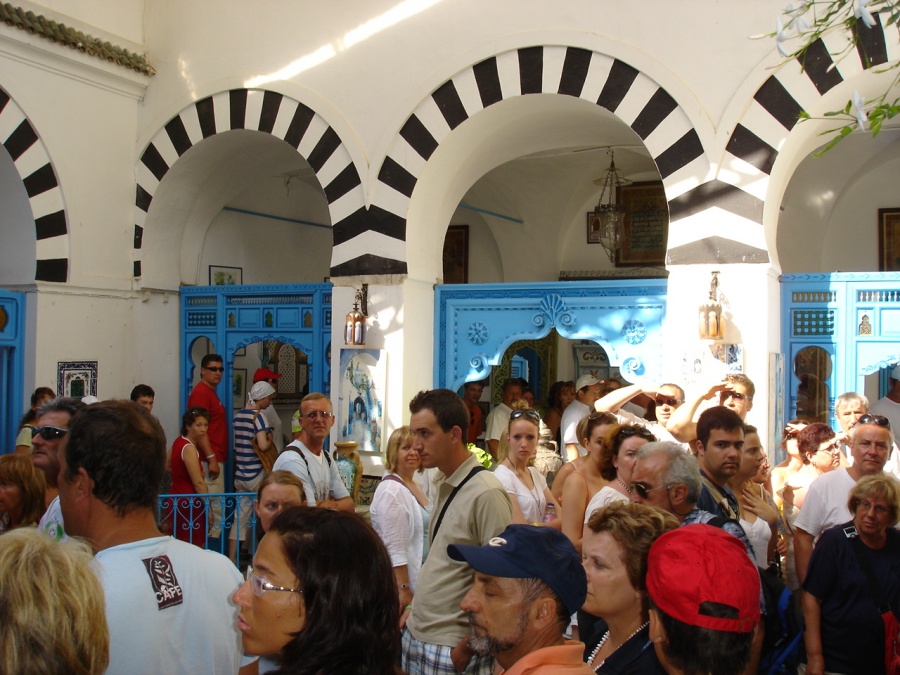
33 164
272 113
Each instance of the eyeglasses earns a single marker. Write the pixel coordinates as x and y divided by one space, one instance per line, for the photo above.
628 432
877 420
866 505
669 401
643 491
311 416
737 396
832 448
215 369
260 585
48 433
528 412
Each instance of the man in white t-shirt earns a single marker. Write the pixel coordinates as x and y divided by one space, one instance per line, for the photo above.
825 504
308 459
889 406
498 419
587 391
49 437
168 602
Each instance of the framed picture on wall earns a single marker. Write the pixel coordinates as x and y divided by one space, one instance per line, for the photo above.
889 239
456 255
360 403
646 225
225 276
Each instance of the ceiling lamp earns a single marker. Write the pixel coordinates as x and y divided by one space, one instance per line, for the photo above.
610 215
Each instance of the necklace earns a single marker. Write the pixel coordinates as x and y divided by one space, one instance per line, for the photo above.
625 487
603 642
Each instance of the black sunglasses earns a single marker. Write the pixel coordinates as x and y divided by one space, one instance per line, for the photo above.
877 420
733 394
668 400
644 492
48 433
215 369
528 412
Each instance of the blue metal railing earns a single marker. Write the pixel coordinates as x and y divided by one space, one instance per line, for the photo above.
210 521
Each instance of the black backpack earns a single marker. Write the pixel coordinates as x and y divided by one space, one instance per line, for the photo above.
784 625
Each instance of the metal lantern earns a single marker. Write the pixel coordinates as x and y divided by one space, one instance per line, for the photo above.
355 325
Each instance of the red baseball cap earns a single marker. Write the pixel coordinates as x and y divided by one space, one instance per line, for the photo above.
701 563
263 374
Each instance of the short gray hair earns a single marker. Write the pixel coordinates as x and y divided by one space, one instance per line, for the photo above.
850 398
683 467
63 404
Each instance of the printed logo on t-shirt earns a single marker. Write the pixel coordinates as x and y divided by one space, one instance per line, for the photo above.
165 584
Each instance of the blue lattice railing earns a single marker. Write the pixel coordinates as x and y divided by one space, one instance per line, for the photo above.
209 521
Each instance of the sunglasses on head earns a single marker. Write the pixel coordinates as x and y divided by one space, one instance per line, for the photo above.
877 420
628 432
48 433
528 412
670 401
643 491
737 396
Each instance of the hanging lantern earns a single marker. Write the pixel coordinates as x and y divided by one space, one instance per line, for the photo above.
712 323
355 325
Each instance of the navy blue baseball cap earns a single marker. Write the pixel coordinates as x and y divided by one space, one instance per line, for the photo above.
529 552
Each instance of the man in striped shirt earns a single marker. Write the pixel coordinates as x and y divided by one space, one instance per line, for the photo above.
248 469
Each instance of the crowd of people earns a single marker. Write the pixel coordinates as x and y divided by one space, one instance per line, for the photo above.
649 551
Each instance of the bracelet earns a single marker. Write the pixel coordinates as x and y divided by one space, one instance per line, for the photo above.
210 456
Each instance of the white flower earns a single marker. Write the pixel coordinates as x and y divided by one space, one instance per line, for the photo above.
780 37
860 12
862 118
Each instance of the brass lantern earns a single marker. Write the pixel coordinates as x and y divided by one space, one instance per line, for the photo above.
712 323
355 325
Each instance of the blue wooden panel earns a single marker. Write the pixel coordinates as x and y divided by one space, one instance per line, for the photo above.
12 366
232 317
476 323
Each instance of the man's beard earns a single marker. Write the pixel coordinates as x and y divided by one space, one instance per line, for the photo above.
485 643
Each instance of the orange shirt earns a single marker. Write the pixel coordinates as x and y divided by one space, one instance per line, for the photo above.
475 424
567 658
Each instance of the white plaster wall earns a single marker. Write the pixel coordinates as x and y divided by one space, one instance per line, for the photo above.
99 18
485 265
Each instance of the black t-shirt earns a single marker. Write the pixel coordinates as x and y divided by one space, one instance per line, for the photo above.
852 629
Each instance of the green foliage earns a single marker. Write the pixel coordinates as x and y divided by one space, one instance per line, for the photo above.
801 27
483 457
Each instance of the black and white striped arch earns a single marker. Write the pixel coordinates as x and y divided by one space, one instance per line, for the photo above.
571 71
32 162
753 146
270 112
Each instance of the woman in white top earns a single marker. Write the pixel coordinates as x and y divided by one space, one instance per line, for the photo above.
528 491
400 513
759 515
617 459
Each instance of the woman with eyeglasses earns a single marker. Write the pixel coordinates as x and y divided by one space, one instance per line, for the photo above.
819 451
400 513
22 492
320 596
527 488
617 541
853 576
586 480
188 478
617 459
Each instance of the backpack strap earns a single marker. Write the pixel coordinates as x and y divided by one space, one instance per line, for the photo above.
437 525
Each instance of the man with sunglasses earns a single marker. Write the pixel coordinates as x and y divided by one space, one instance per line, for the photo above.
48 438
309 459
735 392
668 398
214 445
825 504
168 602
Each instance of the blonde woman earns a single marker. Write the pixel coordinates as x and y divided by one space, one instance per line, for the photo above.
527 489
54 615
400 513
